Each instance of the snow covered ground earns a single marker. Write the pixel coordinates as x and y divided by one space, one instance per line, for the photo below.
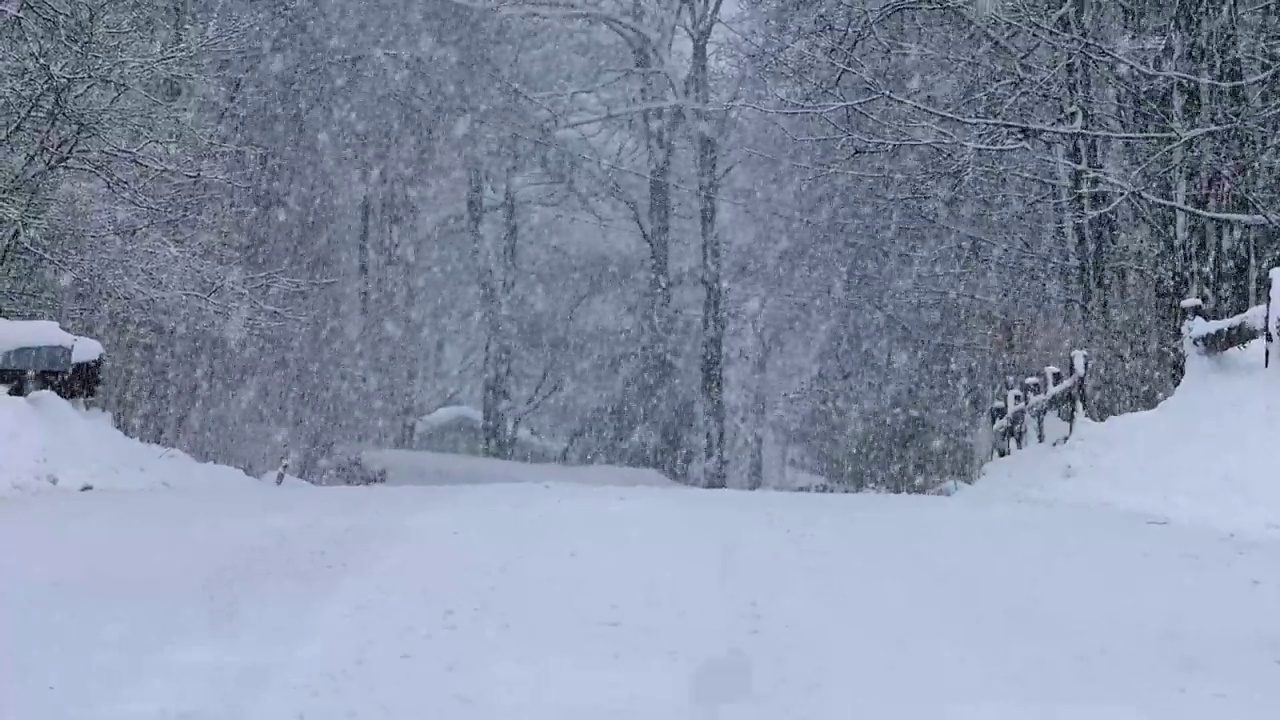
1093 581
565 602
1207 455
411 467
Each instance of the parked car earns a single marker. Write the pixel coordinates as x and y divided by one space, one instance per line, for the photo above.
40 355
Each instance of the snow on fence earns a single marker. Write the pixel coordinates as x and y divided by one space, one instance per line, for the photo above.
1210 337
1034 399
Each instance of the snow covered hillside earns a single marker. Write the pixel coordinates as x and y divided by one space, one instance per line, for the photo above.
1206 455
46 444
575 603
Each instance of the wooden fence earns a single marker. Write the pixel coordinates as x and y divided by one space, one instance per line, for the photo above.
1028 404
1211 337
1032 401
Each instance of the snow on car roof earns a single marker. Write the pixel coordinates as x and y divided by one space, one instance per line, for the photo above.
15 334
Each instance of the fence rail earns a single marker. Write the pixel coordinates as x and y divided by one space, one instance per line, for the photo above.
1210 337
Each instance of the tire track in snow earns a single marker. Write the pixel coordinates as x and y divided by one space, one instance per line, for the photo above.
261 612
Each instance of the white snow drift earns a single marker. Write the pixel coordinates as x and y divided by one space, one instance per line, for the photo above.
1206 455
47 444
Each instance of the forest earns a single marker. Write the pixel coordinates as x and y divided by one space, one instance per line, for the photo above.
716 238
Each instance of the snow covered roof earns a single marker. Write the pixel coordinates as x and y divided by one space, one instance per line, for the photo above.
16 334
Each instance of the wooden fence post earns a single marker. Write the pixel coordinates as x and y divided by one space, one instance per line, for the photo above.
1273 287
1080 369
1018 418
999 442
1052 376
1033 387
1192 310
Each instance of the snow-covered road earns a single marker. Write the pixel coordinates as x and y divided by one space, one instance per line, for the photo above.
558 603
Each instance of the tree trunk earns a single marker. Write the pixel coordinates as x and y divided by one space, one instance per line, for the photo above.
759 408
713 317
475 228
363 259
657 409
497 273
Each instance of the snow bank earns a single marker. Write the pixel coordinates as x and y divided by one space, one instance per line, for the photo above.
269 478
450 414
47 445
793 479
1204 456
407 467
